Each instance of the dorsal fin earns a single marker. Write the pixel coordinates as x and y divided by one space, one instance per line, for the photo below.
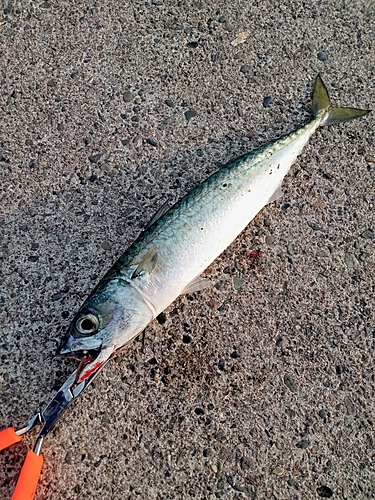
158 215
147 264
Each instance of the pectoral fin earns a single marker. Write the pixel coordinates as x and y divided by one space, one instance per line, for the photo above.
147 264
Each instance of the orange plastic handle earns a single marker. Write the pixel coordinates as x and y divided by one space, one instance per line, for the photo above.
29 477
8 437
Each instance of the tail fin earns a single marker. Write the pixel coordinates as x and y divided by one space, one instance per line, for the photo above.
322 102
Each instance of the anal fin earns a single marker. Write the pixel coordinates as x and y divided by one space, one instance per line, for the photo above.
278 193
197 285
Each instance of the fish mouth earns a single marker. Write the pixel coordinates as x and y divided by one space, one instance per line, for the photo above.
87 357
84 356
89 366
80 348
92 354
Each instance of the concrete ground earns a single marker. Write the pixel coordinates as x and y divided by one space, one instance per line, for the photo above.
261 387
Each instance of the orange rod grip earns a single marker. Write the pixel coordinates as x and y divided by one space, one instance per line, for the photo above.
8 437
29 477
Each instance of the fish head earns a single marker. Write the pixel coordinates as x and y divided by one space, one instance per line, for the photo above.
112 316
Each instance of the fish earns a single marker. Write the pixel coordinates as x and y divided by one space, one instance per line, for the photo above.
169 256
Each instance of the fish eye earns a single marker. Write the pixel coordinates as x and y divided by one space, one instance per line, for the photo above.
87 324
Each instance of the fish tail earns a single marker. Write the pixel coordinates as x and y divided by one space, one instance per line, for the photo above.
322 102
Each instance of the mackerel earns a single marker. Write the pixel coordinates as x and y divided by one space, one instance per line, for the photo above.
168 257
